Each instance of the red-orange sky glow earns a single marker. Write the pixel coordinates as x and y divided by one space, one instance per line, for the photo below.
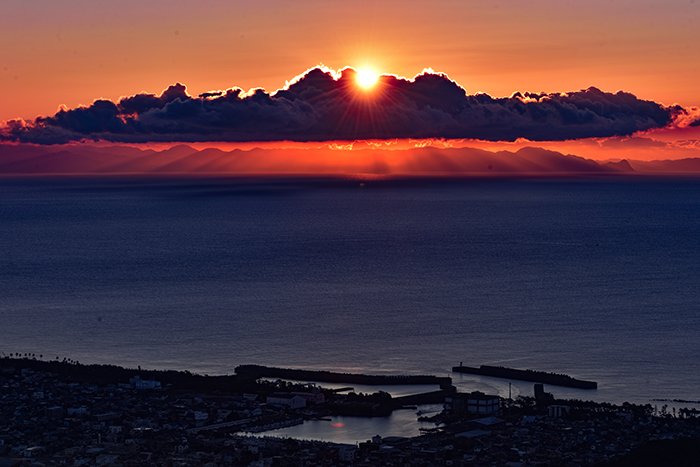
68 54
72 52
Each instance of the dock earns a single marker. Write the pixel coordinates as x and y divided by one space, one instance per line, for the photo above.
554 379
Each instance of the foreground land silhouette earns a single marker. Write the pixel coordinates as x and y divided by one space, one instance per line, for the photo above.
63 411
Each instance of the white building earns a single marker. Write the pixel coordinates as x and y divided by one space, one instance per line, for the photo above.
558 411
483 404
138 383
293 401
476 403
312 397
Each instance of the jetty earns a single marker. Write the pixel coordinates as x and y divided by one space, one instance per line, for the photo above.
322 376
554 379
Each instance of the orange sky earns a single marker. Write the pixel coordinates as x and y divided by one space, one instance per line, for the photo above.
73 51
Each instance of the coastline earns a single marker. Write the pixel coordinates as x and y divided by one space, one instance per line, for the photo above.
210 414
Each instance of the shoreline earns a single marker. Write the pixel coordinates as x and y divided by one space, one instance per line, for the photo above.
46 405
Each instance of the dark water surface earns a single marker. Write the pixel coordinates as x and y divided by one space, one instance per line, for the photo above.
596 278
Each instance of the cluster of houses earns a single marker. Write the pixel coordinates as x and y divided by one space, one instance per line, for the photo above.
48 420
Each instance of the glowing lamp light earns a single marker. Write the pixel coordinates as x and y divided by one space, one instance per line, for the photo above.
366 78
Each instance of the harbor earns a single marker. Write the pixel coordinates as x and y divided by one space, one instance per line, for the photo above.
137 416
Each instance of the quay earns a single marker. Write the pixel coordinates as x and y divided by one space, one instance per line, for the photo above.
554 379
322 376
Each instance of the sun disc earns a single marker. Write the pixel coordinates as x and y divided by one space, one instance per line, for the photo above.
366 78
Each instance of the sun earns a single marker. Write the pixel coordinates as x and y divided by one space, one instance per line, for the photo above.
366 78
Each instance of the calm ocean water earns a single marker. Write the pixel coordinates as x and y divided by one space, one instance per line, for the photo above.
596 278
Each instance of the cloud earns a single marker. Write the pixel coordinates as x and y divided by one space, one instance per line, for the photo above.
323 105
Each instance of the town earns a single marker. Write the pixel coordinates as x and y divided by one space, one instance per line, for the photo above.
66 413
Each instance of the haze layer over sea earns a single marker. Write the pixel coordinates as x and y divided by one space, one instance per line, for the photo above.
597 278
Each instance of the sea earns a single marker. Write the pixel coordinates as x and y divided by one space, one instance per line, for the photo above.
598 278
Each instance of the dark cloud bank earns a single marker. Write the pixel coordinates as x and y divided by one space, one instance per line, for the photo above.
318 107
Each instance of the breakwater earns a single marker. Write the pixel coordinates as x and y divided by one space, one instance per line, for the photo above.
322 376
535 376
433 397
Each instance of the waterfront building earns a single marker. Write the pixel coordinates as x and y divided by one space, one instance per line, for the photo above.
312 397
293 401
475 403
558 411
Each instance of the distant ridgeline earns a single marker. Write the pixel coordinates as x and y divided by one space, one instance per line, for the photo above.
183 159
555 379
258 371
